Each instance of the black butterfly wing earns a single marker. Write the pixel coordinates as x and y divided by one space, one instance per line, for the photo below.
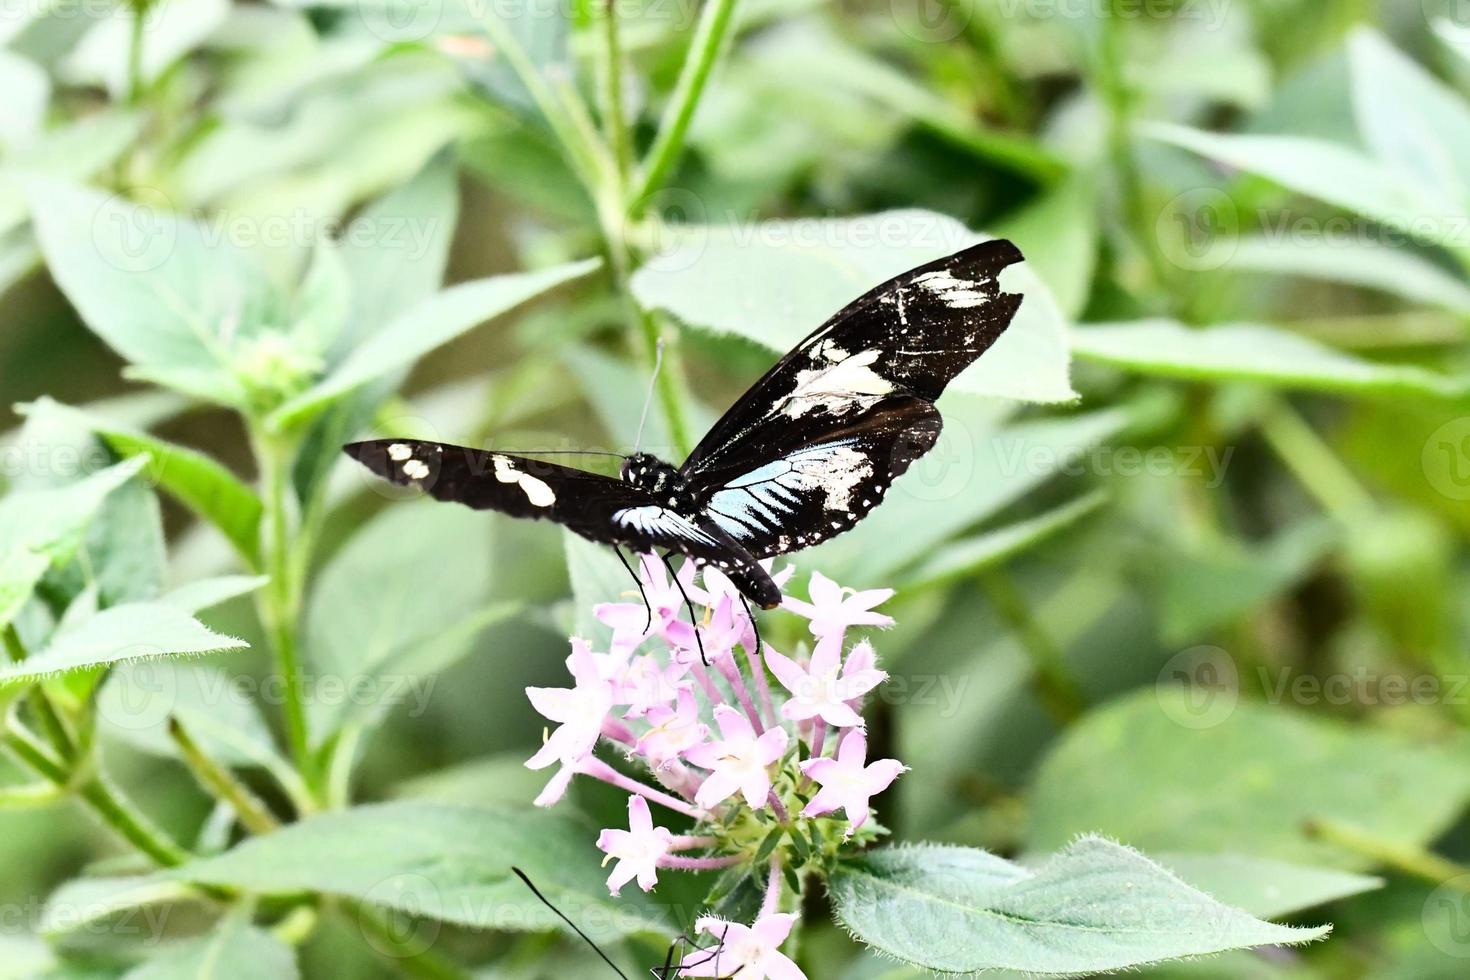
597 507
813 446
913 334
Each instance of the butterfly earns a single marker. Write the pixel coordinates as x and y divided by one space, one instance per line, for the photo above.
804 455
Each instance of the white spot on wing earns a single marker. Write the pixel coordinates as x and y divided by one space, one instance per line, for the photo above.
536 491
398 452
844 385
415 469
951 290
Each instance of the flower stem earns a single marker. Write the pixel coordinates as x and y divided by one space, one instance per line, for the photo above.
136 31
1059 693
598 769
699 864
704 51
731 673
220 783
762 686
41 703
772 899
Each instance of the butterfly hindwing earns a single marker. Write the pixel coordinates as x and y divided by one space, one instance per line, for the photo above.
799 494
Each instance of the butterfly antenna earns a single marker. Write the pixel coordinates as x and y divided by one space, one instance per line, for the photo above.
585 938
658 362
561 452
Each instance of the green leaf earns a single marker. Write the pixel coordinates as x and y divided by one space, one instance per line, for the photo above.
83 901
978 468
376 623
24 958
53 520
246 952
1208 584
1332 173
497 781
1264 887
1271 772
131 631
1058 233
29 91
216 708
20 571
1253 352
1094 907
1358 263
172 296
1411 121
442 862
597 576
210 592
989 548
775 282
74 151
196 480
171 29
424 327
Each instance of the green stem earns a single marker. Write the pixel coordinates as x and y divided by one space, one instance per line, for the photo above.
704 52
1314 463
41 704
220 783
1059 692
614 118
1404 858
105 801
280 602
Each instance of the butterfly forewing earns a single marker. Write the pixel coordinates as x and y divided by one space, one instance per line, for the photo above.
813 446
599 508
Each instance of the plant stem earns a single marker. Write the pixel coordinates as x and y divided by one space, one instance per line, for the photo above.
280 602
1059 693
1314 463
220 783
668 145
1405 858
614 118
136 31
41 703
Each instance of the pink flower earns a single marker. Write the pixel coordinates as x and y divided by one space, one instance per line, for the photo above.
748 952
672 731
629 619
825 687
581 711
637 849
833 608
847 784
646 682
726 630
739 762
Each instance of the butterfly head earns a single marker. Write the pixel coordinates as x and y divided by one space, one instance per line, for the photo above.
665 482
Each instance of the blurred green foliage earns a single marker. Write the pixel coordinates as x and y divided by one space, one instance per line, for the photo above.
1189 569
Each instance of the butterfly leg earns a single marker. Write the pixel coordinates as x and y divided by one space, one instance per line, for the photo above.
750 615
693 619
561 915
638 582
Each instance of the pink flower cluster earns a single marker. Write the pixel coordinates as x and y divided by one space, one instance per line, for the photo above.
728 748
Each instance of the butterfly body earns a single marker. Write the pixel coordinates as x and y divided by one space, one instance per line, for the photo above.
804 455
